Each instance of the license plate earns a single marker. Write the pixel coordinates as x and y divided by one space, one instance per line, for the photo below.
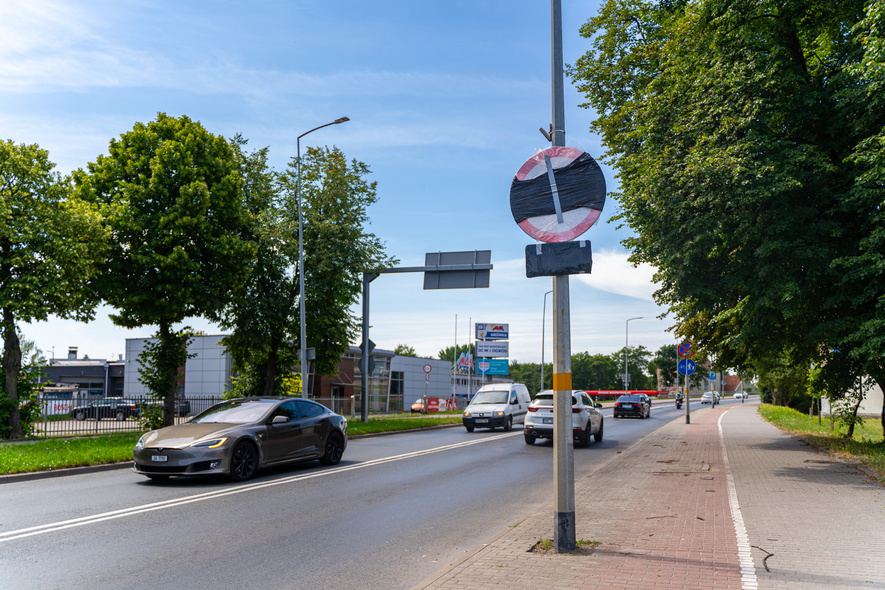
482 420
159 458
547 421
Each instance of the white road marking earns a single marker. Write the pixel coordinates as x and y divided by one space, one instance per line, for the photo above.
745 557
114 514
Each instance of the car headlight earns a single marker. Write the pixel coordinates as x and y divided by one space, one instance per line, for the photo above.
467 414
212 443
140 444
499 413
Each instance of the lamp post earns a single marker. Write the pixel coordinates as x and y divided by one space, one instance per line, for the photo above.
543 323
626 348
301 257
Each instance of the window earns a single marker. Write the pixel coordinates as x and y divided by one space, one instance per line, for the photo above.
396 383
308 409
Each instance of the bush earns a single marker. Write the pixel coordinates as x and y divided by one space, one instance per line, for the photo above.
28 403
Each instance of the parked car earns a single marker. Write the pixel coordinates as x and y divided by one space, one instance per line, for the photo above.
497 405
106 408
238 437
634 404
710 397
741 395
586 418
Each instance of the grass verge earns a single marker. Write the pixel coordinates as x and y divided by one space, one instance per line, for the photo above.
58 453
865 446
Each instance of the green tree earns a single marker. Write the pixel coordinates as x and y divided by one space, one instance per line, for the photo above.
747 139
404 350
171 193
596 371
49 244
637 365
665 360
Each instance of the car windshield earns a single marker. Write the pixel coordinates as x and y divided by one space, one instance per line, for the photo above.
490 397
234 412
546 399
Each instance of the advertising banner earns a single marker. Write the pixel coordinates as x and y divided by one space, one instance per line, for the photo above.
494 349
492 331
492 367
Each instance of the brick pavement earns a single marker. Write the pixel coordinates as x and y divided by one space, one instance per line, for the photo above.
667 522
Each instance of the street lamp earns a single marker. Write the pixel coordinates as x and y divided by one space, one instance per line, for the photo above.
301 256
626 348
543 322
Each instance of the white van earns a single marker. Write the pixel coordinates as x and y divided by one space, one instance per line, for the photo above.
497 405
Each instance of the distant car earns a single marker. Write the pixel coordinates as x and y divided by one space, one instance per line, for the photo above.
586 418
419 407
238 437
106 408
710 397
634 404
741 395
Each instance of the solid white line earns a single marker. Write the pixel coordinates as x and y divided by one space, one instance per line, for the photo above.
114 514
745 558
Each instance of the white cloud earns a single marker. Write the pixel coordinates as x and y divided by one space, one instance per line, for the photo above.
613 273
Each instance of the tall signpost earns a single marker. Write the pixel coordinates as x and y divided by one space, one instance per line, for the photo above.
555 197
686 367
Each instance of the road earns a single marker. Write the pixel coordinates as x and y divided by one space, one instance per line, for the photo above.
394 511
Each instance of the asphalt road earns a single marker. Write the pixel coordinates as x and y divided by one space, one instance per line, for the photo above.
395 510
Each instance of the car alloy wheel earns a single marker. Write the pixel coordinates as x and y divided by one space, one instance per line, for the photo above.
243 461
334 449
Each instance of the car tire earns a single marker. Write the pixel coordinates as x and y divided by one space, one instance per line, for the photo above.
598 436
120 416
529 439
584 437
334 449
508 425
80 415
243 461
469 428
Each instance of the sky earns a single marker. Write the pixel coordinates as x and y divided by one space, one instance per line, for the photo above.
445 100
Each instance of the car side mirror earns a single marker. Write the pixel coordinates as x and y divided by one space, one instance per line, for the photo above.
598 406
279 420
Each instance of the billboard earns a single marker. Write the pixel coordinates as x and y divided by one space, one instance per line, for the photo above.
492 331
492 367
495 349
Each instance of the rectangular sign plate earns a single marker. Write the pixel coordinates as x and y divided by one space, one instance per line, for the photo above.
494 349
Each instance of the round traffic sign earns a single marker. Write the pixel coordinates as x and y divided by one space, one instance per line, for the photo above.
686 367
558 194
427 368
685 350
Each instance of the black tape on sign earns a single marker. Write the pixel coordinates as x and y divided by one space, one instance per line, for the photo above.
579 184
559 258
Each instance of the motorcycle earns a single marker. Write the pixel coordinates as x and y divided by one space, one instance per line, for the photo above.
678 403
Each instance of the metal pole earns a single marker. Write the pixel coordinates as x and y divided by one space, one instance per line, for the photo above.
368 277
543 325
563 443
303 352
626 348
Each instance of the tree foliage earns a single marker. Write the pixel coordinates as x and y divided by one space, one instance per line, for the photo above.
49 244
338 248
748 140
171 197
404 350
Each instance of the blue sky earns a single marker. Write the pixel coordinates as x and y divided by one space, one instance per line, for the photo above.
445 101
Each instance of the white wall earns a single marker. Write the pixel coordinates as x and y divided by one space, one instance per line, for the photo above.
414 385
206 373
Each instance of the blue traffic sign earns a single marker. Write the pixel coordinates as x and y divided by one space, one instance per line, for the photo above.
685 350
686 367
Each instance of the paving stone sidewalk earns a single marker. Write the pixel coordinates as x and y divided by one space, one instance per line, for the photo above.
661 517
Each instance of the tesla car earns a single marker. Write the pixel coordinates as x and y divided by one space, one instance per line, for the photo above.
586 418
636 404
238 437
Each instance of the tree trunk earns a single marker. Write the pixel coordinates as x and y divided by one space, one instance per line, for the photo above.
270 369
12 365
850 434
168 395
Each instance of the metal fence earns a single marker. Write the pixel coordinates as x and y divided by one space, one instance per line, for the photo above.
88 415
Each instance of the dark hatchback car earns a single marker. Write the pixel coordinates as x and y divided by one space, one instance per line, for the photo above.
238 437
637 404
106 408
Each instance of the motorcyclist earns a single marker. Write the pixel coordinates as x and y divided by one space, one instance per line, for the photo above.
678 401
